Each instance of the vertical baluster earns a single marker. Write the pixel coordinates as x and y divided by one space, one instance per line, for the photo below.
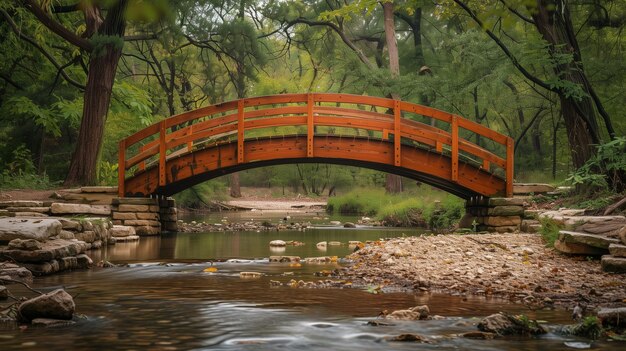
310 128
162 151
240 131
397 133
509 167
455 149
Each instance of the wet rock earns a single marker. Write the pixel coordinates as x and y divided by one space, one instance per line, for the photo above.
67 235
121 231
613 317
349 225
57 304
4 292
335 222
278 243
28 228
50 250
15 272
282 259
27 245
318 260
334 243
50 323
125 238
379 324
250 275
613 264
505 324
478 335
407 338
322 244
146 230
88 236
411 314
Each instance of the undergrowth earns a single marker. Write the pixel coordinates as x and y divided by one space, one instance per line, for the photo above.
550 230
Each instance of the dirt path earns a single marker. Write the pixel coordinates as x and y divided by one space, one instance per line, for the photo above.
277 205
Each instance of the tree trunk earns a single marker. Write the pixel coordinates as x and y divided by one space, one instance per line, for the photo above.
102 68
552 20
393 183
235 188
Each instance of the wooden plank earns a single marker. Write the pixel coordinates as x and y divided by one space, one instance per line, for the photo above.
353 99
426 111
240 131
310 129
349 122
275 99
276 122
144 155
486 165
482 130
201 113
455 149
509 167
439 146
397 136
142 164
275 111
351 112
190 143
162 151
142 134
121 168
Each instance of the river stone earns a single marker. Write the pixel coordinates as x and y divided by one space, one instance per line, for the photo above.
4 292
322 244
124 239
250 274
67 208
505 324
28 244
121 231
49 323
29 209
57 304
478 335
532 188
28 228
147 230
15 272
613 264
599 241
617 250
279 243
404 315
613 317
50 250
577 248
284 259
67 235
349 225
87 236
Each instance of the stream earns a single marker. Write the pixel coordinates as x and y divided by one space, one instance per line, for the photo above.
163 300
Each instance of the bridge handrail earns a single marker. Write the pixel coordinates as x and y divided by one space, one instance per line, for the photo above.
235 119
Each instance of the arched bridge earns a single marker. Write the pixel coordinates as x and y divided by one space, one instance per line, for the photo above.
418 142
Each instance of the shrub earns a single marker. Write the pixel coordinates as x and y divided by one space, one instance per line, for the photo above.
550 230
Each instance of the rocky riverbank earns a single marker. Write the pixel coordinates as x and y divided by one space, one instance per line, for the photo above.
514 266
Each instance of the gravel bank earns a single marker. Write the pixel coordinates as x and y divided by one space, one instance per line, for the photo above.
515 266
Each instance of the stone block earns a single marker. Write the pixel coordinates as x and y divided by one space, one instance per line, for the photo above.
124 215
622 235
27 244
122 231
169 210
69 224
99 189
171 226
134 201
22 228
21 203
127 238
573 248
155 208
118 222
613 264
147 230
598 241
83 261
142 222
617 250
506 211
28 214
152 216
505 201
15 272
169 202
67 235
531 214
133 208
169 218
523 188
29 209
50 250
66 208
502 229
501 221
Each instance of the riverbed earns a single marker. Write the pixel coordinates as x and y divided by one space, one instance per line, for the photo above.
162 298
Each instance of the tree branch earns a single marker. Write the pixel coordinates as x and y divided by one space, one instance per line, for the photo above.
50 58
506 51
517 13
56 27
65 8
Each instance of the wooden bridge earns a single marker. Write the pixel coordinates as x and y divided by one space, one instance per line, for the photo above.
393 136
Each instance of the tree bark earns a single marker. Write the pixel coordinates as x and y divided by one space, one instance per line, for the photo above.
102 68
393 183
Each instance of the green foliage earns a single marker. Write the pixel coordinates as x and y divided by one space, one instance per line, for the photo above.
20 172
590 327
107 173
606 169
550 230
202 195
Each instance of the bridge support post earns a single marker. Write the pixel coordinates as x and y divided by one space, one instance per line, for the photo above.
496 214
149 216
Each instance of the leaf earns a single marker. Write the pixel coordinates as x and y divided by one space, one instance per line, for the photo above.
210 270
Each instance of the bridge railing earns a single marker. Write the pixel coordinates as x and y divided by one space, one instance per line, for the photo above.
317 114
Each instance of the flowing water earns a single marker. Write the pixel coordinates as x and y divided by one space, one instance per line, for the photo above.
164 301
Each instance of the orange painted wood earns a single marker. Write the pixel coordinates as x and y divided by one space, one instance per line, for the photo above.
162 154
240 131
212 126
310 129
509 167
454 149
397 133
121 168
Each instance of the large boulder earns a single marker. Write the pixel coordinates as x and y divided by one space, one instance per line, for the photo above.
50 250
121 231
582 243
68 208
411 314
57 304
28 244
617 250
506 324
15 272
28 228
278 243
613 317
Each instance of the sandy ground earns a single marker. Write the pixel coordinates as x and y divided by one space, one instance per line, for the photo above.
276 205
515 266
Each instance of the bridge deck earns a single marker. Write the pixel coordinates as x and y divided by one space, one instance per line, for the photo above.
390 135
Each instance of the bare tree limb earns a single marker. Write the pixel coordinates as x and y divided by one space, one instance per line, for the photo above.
517 13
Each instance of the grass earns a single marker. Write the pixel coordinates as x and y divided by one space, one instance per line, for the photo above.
550 230
27 181
423 206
